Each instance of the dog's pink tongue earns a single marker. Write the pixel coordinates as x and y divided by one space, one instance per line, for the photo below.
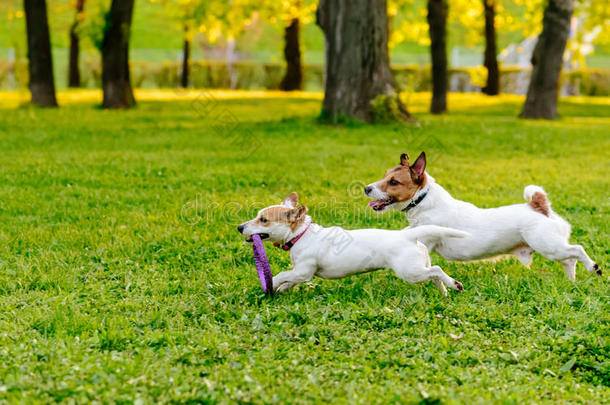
372 203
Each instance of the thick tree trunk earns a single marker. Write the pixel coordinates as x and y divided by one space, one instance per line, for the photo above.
492 87
42 83
547 60
437 21
73 70
186 56
116 81
357 63
293 79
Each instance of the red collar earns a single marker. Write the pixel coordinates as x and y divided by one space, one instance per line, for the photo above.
291 242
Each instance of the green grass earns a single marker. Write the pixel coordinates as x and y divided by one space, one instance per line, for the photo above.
123 278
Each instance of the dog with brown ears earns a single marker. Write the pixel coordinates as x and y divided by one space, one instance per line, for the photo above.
314 251
518 229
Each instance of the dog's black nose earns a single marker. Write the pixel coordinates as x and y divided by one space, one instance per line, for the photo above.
368 189
240 228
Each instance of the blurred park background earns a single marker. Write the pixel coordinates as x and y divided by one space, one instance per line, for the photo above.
240 44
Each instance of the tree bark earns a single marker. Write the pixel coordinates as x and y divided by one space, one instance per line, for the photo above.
437 21
492 88
73 70
357 62
293 79
42 83
116 82
547 60
186 56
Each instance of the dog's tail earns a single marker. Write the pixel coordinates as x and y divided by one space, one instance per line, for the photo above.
537 199
432 234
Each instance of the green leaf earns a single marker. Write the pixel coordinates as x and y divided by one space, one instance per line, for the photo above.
568 366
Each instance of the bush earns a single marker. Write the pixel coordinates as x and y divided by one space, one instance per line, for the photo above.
258 76
590 82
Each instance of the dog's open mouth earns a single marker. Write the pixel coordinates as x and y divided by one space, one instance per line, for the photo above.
262 235
380 204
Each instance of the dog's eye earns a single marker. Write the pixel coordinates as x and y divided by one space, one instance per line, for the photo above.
263 220
393 182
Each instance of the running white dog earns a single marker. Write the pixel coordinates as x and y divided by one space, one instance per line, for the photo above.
335 252
518 229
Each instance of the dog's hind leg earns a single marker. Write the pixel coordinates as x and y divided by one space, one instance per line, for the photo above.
556 247
416 268
439 274
570 266
441 287
438 283
420 274
578 252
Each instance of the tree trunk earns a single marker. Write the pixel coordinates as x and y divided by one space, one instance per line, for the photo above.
437 21
293 79
42 83
186 56
357 63
547 60
73 70
492 87
116 81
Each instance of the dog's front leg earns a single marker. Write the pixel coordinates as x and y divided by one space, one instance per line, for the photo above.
302 273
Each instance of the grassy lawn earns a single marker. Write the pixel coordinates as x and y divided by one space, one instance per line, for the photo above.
122 276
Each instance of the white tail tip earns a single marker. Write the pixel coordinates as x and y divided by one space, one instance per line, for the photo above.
529 191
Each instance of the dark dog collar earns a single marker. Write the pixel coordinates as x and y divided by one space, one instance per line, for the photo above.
291 242
415 202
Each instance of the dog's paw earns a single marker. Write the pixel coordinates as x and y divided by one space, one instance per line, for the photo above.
597 270
458 285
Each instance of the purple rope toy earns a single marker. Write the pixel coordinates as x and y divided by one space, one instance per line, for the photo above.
262 264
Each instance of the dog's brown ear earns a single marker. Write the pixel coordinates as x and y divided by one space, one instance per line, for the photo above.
404 159
291 201
419 166
297 213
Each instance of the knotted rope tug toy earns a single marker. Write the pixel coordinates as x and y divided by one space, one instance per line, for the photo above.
262 264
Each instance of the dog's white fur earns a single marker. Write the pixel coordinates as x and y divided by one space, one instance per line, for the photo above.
514 229
332 253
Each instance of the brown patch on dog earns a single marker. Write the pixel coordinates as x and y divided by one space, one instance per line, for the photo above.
401 184
292 200
540 203
297 217
293 217
273 214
